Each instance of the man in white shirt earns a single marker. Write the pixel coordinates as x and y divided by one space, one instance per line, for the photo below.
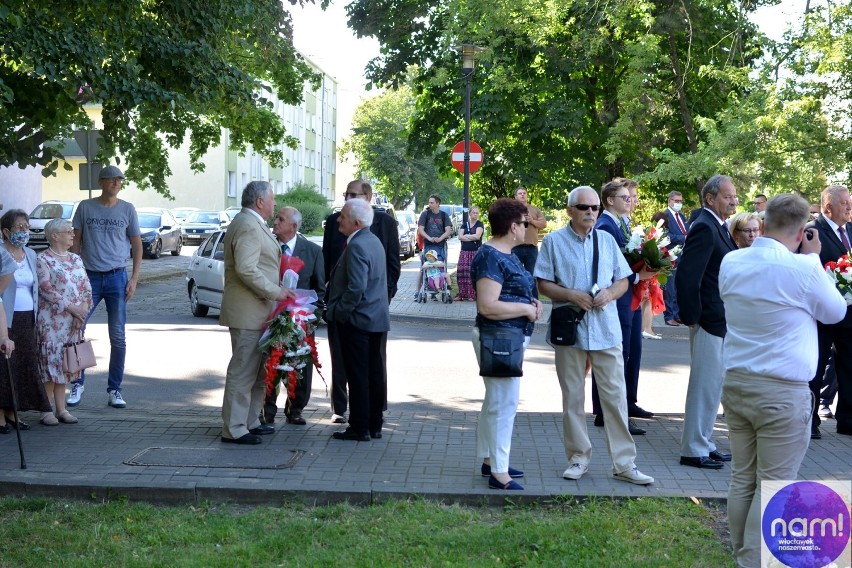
765 393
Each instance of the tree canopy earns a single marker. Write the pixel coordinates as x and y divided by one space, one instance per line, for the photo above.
571 92
160 70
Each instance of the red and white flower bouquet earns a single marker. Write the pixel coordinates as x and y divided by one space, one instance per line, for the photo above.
649 248
841 272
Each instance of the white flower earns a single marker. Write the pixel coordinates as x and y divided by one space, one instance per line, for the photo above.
636 240
284 368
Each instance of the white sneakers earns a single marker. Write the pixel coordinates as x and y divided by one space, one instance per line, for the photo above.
576 471
634 476
115 399
75 394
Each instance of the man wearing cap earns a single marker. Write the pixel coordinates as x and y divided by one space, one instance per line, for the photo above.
106 229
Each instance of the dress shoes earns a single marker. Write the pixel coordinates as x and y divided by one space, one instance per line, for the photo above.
350 434
296 419
672 323
720 456
246 439
493 483
376 434
639 412
262 430
513 473
701 463
17 425
817 435
634 429
631 426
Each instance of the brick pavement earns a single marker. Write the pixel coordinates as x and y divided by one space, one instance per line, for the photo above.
422 453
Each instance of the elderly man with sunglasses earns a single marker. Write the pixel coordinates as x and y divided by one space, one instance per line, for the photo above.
564 274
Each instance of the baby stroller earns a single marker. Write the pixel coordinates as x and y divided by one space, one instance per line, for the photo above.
434 277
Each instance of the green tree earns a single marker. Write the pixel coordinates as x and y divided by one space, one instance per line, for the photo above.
159 71
380 129
313 206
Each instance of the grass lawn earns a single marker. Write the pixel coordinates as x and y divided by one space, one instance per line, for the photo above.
597 533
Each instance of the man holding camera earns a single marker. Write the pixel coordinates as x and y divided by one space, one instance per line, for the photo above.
767 400
564 274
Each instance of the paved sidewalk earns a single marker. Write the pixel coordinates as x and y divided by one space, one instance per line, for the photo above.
175 456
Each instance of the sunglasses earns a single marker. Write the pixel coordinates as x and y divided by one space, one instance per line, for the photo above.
584 207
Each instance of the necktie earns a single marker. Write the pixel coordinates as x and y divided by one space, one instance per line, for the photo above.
285 249
680 223
843 238
624 228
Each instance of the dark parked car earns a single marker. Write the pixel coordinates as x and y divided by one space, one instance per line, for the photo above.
407 239
205 277
160 232
201 224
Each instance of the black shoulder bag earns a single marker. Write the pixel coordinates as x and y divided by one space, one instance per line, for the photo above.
565 319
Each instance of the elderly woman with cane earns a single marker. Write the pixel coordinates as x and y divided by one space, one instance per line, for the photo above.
8 415
65 299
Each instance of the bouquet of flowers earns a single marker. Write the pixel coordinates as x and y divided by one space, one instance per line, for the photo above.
841 272
289 336
648 248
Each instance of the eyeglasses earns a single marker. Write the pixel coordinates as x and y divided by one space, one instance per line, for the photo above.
21 227
350 195
526 224
624 197
584 207
749 231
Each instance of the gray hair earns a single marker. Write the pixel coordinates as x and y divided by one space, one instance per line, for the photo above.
55 226
253 191
673 194
713 185
574 196
831 193
293 214
361 211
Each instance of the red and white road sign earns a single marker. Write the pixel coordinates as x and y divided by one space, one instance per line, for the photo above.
457 156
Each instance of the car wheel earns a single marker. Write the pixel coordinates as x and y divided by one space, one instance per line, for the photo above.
156 249
198 310
179 246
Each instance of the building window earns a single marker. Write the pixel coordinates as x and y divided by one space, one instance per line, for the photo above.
232 184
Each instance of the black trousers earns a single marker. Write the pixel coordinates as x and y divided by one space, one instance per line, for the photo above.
631 350
291 406
840 337
339 397
365 377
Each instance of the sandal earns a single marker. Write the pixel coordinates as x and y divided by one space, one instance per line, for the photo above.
48 419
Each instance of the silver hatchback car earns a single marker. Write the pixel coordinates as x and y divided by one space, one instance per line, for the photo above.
205 277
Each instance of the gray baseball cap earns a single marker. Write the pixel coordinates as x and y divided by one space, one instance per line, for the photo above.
110 172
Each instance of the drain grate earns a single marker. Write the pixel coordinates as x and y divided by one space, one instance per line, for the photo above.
234 458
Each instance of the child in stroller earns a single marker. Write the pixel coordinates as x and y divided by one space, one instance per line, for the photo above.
434 278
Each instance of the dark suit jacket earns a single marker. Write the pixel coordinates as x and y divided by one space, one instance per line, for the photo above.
609 225
693 216
312 275
384 227
676 236
356 291
697 275
832 249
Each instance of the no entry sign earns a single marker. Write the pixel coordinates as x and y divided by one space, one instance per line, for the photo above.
457 156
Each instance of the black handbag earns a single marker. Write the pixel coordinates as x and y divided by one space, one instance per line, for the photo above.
565 320
501 351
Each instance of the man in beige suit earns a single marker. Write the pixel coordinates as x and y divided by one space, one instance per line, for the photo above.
252 258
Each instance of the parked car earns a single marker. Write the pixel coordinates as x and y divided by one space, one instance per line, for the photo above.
407 239
406 224
231 212
200 224
160 232
455 218
43 213
205 277
181 213
411 218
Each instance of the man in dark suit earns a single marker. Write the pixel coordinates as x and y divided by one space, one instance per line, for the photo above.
617 203
701 308
286 226
358 310
833 227
676 227
333 242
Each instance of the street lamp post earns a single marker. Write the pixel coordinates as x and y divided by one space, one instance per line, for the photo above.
468 53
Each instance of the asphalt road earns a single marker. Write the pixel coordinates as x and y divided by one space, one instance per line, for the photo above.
175 359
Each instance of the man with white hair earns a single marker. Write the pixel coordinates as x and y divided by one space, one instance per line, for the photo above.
358 311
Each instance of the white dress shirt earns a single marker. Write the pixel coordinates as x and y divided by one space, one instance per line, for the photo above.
773 299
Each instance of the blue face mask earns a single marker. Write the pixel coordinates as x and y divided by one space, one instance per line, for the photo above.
19 238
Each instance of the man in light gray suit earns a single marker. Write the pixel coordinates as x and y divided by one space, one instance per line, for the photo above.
252 260
358 309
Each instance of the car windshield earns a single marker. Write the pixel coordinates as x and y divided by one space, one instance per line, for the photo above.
210 217
231 213
52 211
149 220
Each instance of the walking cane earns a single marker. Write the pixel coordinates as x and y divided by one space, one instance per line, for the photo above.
15 412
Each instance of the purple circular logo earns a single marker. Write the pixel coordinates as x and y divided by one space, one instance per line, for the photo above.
806 524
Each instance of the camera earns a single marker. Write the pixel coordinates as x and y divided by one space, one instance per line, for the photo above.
809 234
